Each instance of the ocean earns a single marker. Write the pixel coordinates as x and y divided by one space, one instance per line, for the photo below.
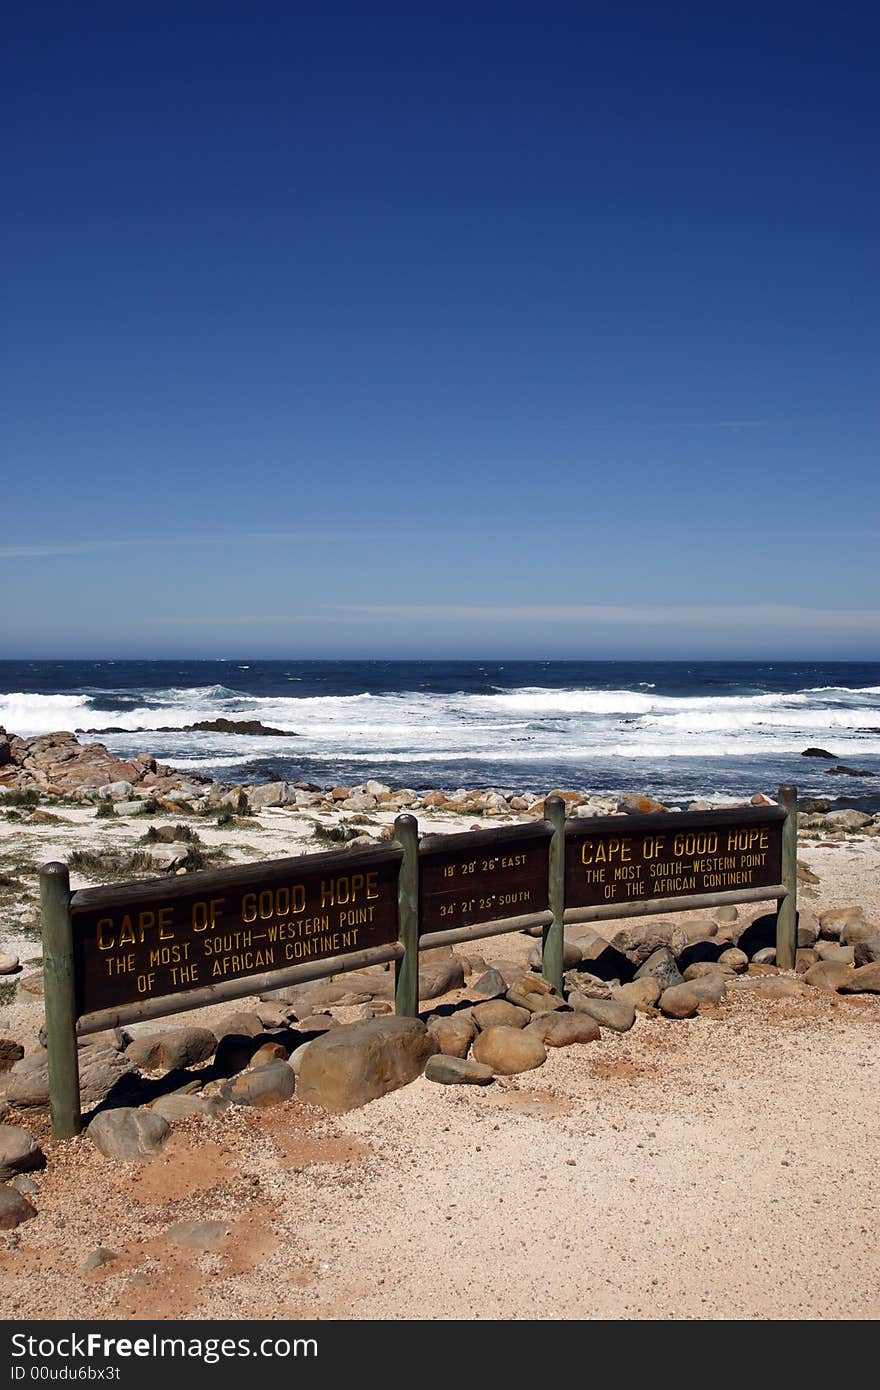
676 730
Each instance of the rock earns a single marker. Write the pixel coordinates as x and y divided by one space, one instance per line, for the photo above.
700 931
19 1152
453 1035
771 986
564 1029
269 1015
766 956
857 930
726 916
127 1134
14 1209
734 960
818 753
246 1024
319 1023
534 1000
98 1258
601 959
8 964
32 984
805 874
762 969
10 1053
296 1056
642 939
865 980
827 974
508 1051
359 1062
866 952
449 1070
616 1014
710 989
269 1052
661 966
491 985
116 791
833 951
439 976
264 1086
679 1001
103 1072
847 820
180 1106
205 1237
841 770
641 994
174 1049
640 806
807 929
571 956
702 969
327 994
269 794
500 1013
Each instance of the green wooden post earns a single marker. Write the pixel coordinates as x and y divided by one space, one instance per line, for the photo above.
59 1000
553 945
786 915
406 970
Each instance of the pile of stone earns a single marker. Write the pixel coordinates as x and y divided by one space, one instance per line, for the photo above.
57 765
477 1022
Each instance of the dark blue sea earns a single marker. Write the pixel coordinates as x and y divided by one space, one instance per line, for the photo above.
678 730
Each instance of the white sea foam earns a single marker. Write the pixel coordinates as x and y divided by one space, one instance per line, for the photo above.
519 726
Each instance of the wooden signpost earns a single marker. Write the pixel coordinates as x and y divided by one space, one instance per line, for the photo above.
147 949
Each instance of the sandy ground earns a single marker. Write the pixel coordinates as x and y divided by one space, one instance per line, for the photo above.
720 1167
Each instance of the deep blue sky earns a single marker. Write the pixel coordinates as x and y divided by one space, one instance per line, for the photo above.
439 329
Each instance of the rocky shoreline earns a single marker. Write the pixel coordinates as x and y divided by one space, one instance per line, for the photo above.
58 767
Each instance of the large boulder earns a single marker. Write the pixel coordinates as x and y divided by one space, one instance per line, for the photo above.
18 1152
661 967
865 952
453 1035
439 976
833 922
564 1029
508 1051
641 994
173 1049
457 1071
640 940
828 974
103 1073
14 1208
864 980
617 1014
679 1001
359 1062
262 1086
571 956
127 1134
500 1013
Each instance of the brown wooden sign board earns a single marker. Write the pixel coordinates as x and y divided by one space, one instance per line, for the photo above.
482 876
160 938
624 860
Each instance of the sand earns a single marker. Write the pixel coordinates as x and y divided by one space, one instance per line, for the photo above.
720 1167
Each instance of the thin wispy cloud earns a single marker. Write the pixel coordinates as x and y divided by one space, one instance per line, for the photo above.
94 547
720 616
